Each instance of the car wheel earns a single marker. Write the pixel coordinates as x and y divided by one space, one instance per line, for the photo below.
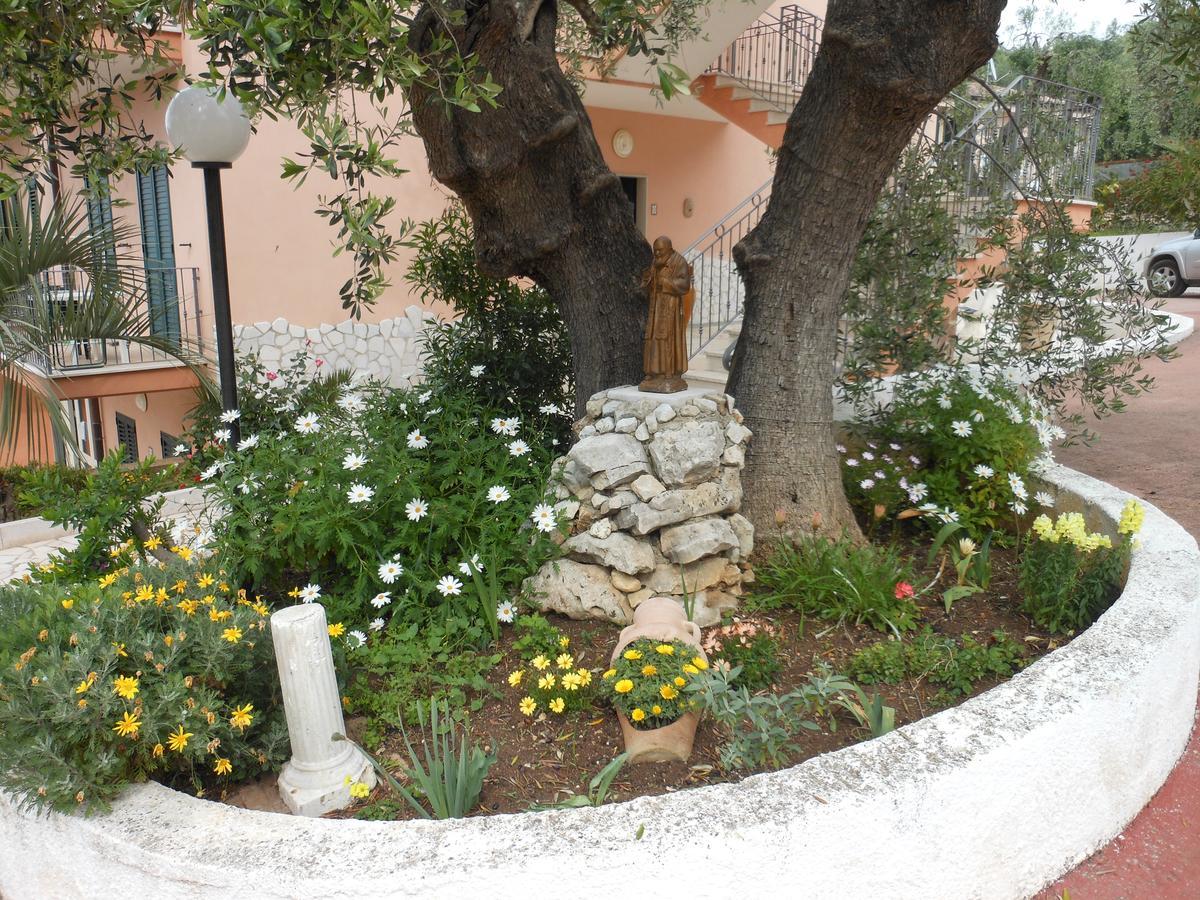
1165 280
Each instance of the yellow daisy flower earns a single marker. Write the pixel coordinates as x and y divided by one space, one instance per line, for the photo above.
632 654
128 725
515 678
223 766
242 716
638 714
337 629
665 649
125 687
557 705
668 692
233 635
624 686
649 670
540 662
565 661
527 705
178 740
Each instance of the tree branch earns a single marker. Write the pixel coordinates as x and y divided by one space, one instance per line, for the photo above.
593 22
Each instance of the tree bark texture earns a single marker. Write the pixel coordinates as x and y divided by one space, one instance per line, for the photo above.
882 67
543 203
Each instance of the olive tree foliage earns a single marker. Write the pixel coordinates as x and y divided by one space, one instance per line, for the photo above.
72 73
1066 314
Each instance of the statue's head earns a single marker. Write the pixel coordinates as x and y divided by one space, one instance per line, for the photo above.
662 249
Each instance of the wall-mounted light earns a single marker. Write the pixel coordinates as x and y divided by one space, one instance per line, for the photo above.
141 402
622 143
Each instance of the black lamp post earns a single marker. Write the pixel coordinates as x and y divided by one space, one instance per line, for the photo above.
212 133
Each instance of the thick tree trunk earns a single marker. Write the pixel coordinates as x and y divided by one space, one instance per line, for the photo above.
882 67
530 174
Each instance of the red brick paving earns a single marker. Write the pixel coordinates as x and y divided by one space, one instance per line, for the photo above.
1153 451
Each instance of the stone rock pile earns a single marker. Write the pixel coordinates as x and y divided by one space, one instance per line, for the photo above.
652 491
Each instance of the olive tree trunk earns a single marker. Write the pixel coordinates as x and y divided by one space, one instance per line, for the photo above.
543 203
882 67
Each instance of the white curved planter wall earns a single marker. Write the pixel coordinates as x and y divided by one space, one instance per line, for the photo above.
993 798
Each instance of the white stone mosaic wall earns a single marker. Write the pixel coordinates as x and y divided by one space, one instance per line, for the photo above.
388 350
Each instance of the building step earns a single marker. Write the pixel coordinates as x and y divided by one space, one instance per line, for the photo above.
697 378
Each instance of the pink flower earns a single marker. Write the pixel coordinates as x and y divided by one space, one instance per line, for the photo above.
308 342
271 376
320 362
903 590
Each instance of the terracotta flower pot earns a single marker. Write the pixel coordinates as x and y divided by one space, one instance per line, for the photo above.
660 619
671 743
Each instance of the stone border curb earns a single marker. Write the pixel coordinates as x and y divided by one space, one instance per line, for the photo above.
993 798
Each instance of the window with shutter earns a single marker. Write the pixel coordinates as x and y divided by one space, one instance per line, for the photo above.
127 438
158 251
167 443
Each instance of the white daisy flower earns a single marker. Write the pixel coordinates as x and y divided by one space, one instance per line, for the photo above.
473 563
424 398
359 493
505 612
867 483
352 461
211 472
977 416
416 509
221 435
868 455
961 427
840 448
357 638
388 573
544 518
917 492
894 446
449 586
382 599
1018 507
351 403
879 473
518 448
377 624
550 409
476 371
1017 486
852 462
915 460
948 515
247 485
182 449
309 423
230 415
248 443
416 440
903 482
310 592
1041 498
497 493
944 402
984 471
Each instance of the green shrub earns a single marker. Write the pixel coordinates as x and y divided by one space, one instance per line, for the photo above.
109 507
387 502
395 678
1068 576
760 730
12 485
152 672
752 648
268 399
957 664
507 346
976 440
839 581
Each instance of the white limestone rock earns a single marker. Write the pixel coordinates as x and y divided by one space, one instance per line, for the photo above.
735 432
647 487
734 456
687 454
578 591
609 460
617 551
698 538
697 576
744 529
626 584
664 413
601 529
604 425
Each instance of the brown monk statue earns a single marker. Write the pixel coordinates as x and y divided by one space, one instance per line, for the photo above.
668 283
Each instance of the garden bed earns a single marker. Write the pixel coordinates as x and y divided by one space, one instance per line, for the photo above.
551 758
998 778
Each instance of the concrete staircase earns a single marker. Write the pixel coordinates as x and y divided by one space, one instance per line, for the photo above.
706 368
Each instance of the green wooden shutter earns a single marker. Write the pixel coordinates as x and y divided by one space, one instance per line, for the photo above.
99 212
158 251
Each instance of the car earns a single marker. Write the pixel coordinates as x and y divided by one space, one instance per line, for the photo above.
1173 267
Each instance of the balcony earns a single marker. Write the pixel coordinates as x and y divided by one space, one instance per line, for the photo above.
88 368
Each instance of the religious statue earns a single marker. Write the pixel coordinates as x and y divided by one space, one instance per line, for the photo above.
668 283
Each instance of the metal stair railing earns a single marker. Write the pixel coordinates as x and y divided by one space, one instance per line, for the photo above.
988 157
774 56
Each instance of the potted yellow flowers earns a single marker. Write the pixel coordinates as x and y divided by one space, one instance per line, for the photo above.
656 658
